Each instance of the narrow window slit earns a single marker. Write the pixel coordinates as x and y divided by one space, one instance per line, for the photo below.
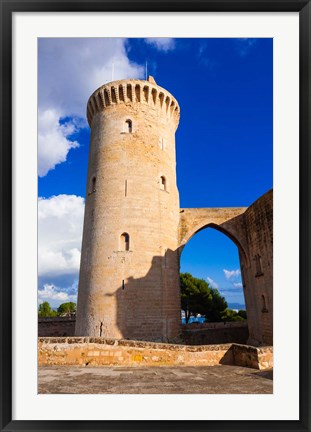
163 183
263 304
93 186
258 265
123 284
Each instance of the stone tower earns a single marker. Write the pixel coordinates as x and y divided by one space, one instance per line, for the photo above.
129 274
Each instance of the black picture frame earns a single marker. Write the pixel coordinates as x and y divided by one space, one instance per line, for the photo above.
7 9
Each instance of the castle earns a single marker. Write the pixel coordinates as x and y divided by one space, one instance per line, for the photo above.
134 229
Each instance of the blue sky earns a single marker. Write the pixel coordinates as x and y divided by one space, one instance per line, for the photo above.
223 143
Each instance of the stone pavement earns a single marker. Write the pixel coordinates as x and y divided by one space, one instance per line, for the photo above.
154 380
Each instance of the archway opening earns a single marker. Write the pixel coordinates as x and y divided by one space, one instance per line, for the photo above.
124 242
129 126
211 256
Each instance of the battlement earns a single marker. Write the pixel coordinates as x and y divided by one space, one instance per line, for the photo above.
133 92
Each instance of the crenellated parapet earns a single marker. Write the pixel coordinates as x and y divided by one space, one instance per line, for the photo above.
133 92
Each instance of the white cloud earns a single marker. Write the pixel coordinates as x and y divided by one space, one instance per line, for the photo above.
53 141
237 284
212 283
50 292
162 44
60 222
55 295
70 69
231 274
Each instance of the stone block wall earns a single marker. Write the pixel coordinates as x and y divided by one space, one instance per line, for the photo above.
56 326
111 352
192 334
257 273
215 333
254 357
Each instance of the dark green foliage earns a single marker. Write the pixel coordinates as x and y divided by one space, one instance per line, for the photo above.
45 310
197 297
242 313
67 309
231 315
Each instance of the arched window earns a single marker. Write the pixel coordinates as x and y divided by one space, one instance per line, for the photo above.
129 126
125 242
163 183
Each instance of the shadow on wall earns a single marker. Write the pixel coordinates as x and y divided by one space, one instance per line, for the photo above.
151 311
228 357
147 309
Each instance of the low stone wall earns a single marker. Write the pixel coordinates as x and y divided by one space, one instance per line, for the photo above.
213 325
215 333
110 352
192 334
56 326
254 357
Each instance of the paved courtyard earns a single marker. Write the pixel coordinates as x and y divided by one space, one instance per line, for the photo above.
154 380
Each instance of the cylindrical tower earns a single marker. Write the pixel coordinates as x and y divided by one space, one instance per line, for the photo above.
129 273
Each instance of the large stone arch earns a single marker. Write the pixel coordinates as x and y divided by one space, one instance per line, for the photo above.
250 228
229 221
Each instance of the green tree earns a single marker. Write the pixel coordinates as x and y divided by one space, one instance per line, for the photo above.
242 313
45 310
218 305
231 315
198 298
67 309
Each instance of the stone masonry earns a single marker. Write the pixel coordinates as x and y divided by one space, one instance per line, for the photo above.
251 229
129 275
80 351
134 230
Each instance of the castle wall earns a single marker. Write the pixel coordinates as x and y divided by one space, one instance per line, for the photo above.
192 334
258 275
215 333
56 326
132 189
